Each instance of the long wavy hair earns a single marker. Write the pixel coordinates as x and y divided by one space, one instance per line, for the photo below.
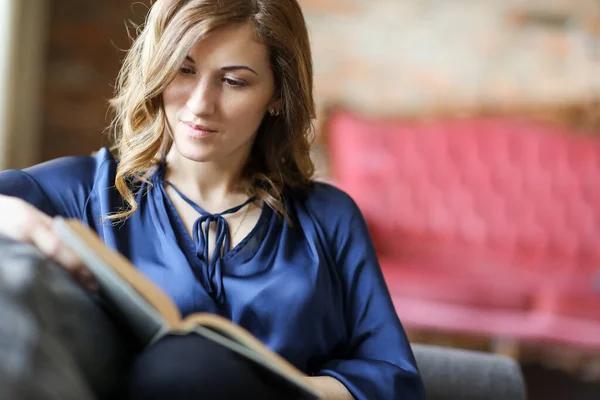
280 156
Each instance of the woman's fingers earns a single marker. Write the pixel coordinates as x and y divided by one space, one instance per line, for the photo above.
26 223
42 237
17 218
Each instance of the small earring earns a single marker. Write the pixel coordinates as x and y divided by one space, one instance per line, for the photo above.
274 112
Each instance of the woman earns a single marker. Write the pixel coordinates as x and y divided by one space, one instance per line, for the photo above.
213 112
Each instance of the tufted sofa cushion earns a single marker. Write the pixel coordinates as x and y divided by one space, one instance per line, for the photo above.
479 211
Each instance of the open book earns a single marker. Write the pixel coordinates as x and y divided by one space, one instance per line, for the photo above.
151 313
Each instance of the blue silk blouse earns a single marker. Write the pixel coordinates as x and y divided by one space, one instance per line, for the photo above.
312 291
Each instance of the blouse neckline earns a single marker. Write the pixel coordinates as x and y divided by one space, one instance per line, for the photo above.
240 253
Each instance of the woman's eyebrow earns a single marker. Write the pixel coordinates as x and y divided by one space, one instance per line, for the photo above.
228 67
236 67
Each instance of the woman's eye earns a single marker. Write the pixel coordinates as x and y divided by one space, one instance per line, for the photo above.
186 71
233 82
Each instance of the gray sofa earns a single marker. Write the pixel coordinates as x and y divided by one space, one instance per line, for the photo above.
452 374
47 353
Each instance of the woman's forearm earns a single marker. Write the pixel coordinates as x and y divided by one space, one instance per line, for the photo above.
331 388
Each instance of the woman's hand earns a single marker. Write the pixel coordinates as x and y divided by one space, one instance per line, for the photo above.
23 222
331 388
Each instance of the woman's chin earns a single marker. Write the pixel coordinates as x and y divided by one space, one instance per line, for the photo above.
195 153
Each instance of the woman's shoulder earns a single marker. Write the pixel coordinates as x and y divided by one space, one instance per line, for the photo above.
330 215
60 186
326 202
73 170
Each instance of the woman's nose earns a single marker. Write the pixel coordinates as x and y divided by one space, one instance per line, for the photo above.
202 99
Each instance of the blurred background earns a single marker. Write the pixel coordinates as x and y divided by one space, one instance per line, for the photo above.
468 131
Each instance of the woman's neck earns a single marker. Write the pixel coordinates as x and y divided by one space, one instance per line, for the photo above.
213 186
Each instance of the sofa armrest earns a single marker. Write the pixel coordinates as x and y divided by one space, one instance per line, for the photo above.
55 340
468 375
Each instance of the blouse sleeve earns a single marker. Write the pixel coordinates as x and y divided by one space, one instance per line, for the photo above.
377 361
61 186
20 184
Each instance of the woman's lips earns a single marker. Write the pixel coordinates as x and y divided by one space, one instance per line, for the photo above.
197 131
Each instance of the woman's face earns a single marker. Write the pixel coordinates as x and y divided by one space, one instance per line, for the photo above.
217 101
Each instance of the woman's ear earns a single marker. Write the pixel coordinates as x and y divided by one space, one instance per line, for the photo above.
275 104
274 108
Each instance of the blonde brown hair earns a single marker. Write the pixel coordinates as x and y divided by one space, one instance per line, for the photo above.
280 156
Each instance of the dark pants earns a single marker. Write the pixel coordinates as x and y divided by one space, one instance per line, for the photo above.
192 367
57 342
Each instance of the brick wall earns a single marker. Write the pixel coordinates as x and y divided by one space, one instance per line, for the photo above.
82 63
384 56
390 56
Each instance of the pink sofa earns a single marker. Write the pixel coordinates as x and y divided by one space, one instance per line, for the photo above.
482 224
